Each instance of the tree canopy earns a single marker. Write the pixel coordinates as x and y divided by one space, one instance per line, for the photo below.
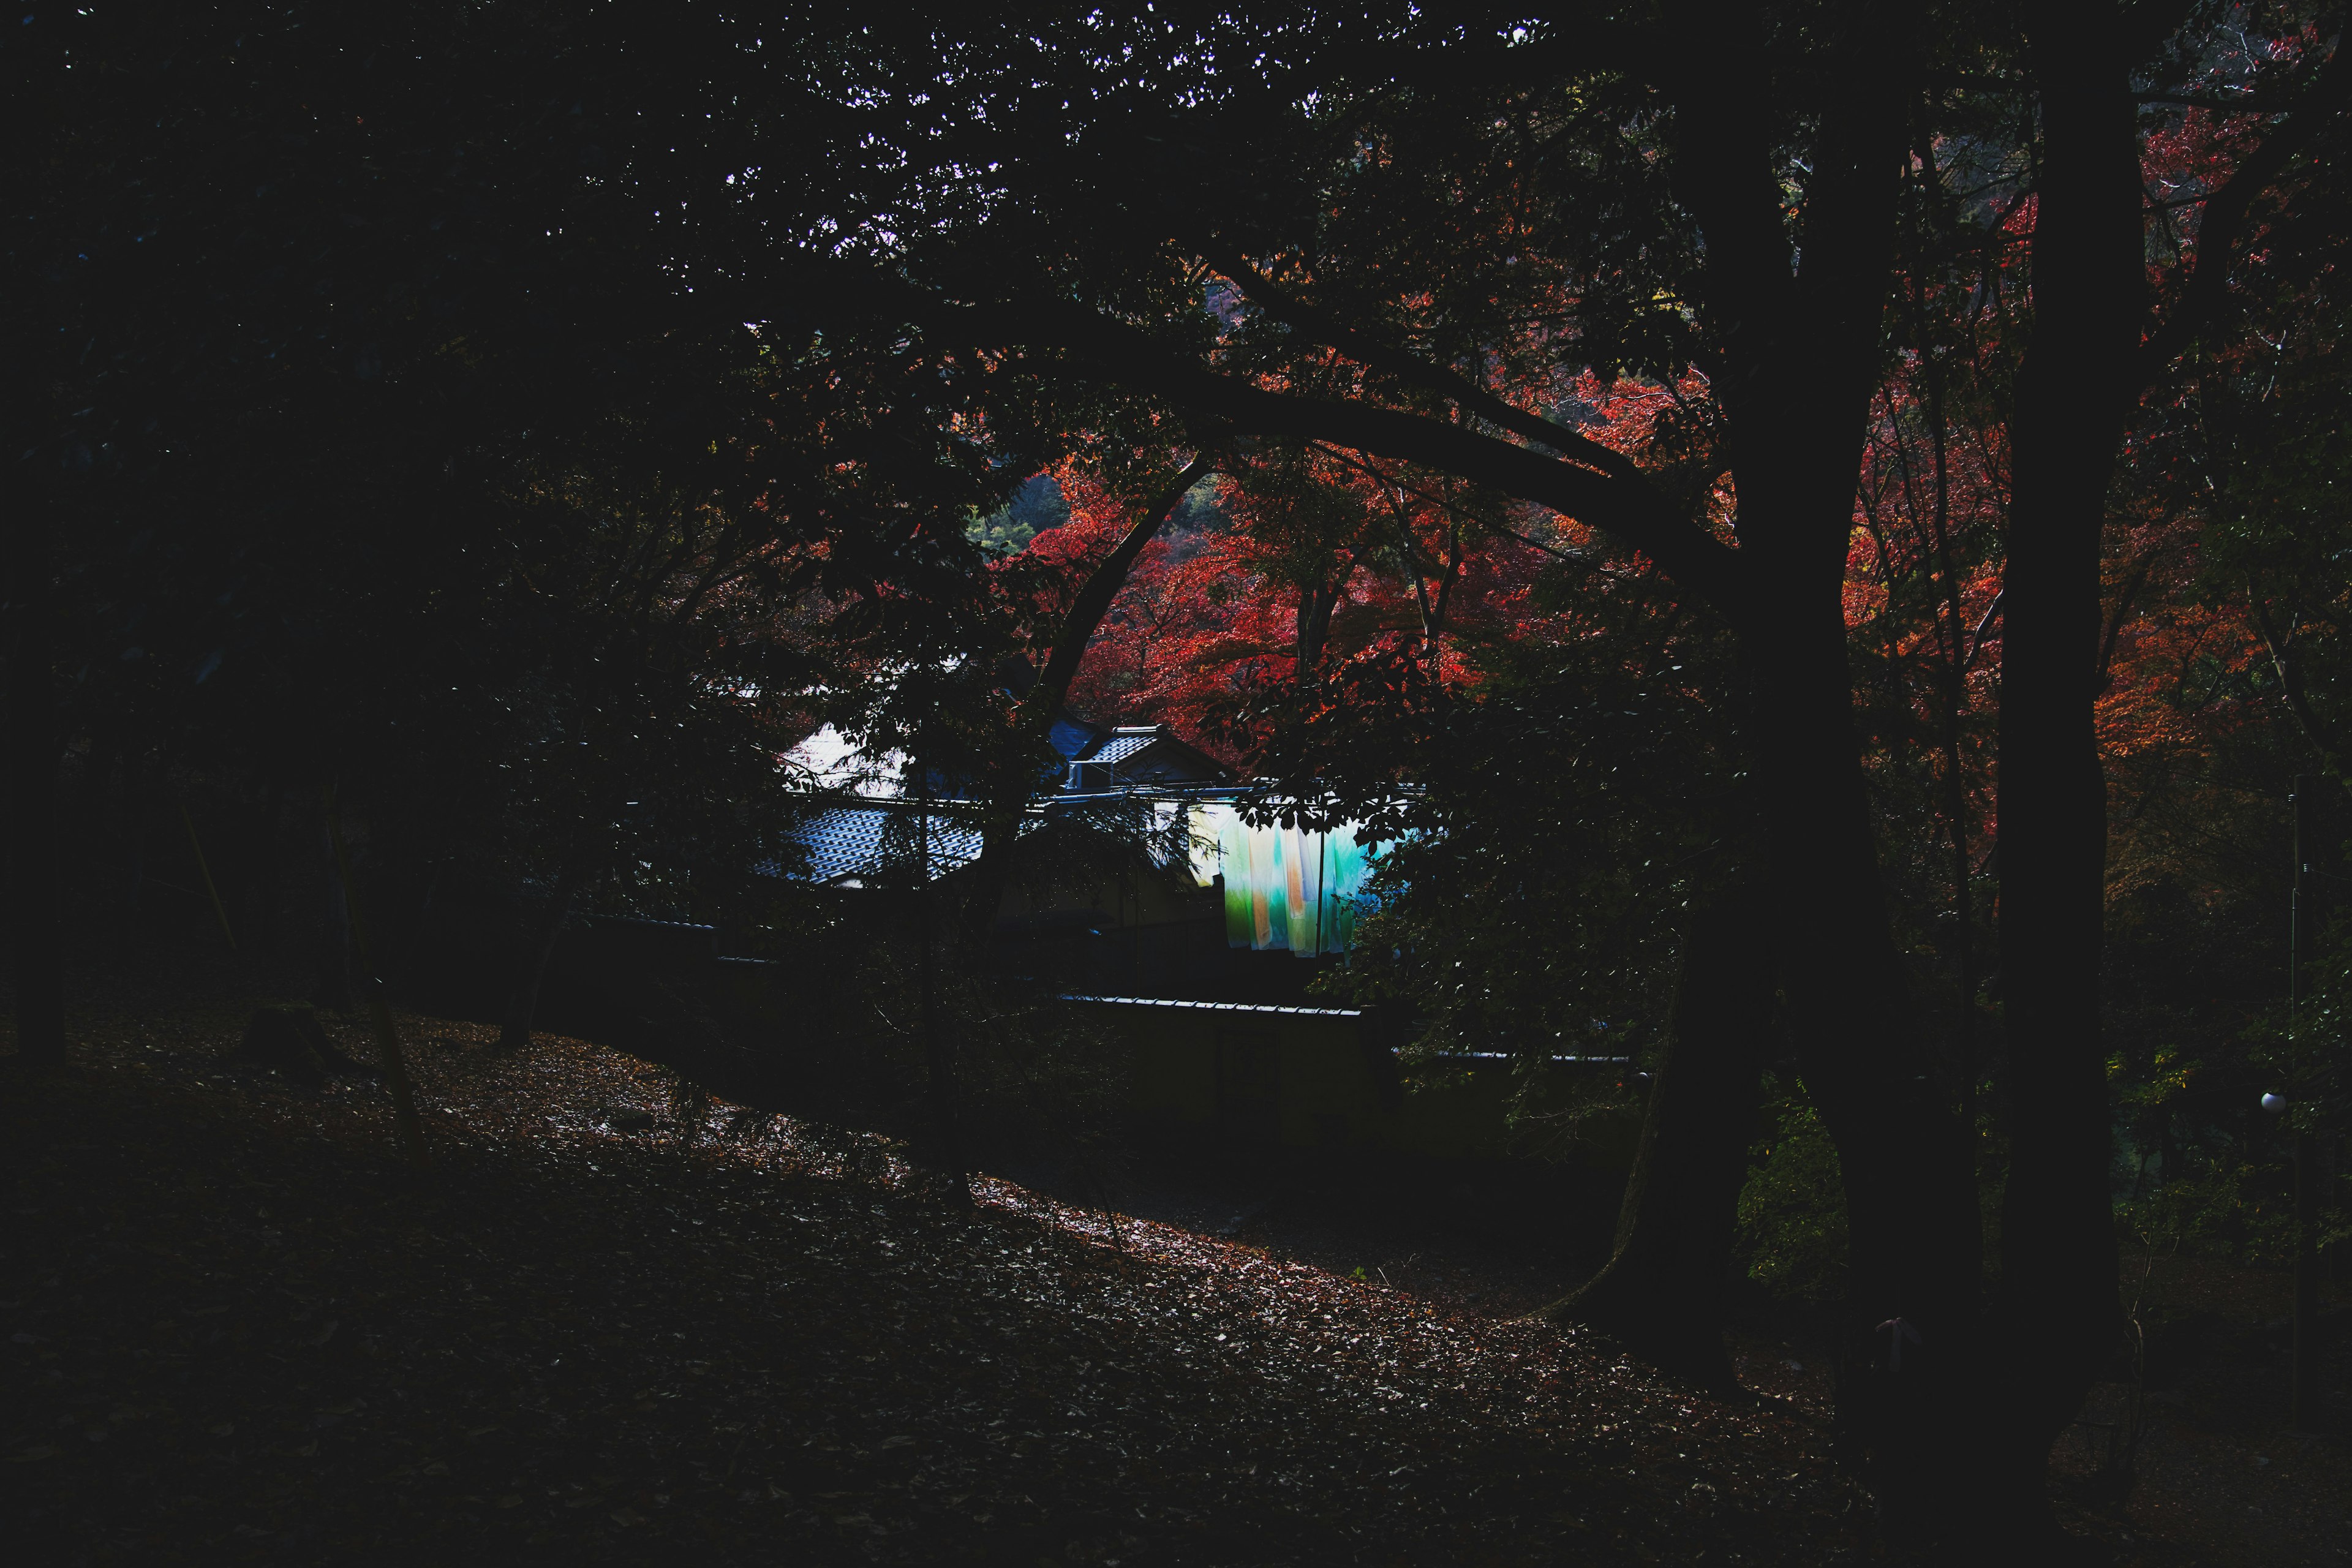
1857 480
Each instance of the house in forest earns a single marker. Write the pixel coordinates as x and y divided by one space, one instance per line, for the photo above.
1241 888
1194 957
850 844
1136 756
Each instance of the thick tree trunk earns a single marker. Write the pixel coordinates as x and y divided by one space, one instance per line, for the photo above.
1807 352
34 748
1802 349
522 1002
1913 1232
1663 1290
2057 1316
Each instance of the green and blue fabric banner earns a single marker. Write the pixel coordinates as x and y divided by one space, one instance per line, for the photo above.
1289 888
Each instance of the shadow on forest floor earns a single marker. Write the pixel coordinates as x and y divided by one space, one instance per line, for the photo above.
2221 1478
237 1332
1490 1242
2220 1472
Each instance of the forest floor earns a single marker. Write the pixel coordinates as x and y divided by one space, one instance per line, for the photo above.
238 1330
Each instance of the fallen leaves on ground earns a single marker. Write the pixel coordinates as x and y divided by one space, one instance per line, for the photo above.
238 1330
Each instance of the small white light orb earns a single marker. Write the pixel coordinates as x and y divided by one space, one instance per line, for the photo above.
2273 1103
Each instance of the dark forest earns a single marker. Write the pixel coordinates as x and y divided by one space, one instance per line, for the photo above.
1173 785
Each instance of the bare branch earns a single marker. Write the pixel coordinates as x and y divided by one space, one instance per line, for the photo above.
1402 364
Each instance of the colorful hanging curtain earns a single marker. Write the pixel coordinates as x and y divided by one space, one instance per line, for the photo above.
1287 887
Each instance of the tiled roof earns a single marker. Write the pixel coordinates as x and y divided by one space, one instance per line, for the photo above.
857 841
1118 748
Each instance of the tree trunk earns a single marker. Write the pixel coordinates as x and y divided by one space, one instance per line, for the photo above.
1806 346
1101 588
1315 607
1913 1229
332 940
2057 1317
34 748
1663 1290
1014 784
939 1063
522 1003
1802 325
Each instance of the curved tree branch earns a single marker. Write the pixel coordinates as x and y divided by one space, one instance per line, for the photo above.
1405 365
1102 586
1695 559
1111 350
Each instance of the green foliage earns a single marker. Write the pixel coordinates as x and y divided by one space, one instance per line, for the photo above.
1034 508
1000 533
2212 1174
2307 1058
2237 1210
1792 1234
1565 810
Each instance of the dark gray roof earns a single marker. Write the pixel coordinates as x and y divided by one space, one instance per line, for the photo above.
1118 748
1144 753
857 841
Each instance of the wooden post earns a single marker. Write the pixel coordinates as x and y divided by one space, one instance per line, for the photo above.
2304 1400
407 1126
